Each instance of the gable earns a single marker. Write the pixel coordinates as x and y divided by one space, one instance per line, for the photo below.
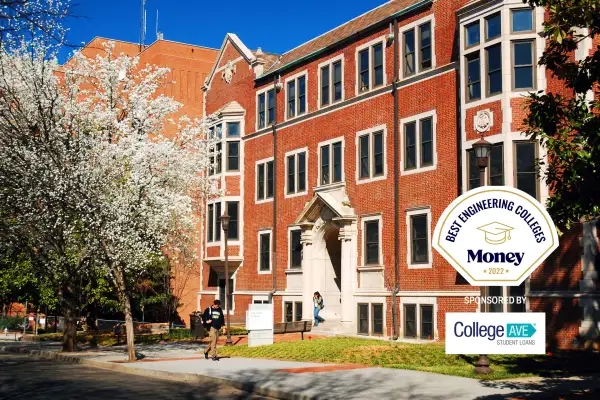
232 50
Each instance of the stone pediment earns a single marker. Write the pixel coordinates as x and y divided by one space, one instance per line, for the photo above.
331 205
231 109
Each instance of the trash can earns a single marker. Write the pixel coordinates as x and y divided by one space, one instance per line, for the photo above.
196 326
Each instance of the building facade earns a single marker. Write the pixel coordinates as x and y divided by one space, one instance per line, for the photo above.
338 157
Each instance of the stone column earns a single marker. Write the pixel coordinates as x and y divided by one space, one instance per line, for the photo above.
307 245
347 235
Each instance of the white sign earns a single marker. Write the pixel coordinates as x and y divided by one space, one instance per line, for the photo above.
495 235
259 317
495 333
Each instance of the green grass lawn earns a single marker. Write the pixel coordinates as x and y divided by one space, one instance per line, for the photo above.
421 357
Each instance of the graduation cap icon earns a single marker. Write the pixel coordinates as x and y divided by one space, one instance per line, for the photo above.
496 232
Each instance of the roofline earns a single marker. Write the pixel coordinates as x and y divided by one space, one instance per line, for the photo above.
183 43
328 47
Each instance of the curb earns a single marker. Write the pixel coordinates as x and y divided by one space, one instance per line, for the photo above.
164 375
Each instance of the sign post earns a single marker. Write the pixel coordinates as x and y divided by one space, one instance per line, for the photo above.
259 323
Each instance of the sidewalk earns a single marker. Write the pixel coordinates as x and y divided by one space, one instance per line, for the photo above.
299 380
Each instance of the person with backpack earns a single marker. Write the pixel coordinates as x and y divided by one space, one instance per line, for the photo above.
319 304
213 319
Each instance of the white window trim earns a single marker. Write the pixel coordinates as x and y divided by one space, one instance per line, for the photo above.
223 147
409 214
262 232
285 87
214 243
295 154
289 247
218 294
382 40
226 140
329 143
329 63
292 300
418 302
263 298
417 118
370 301
415 25
365 219
370 132
265 200
258 93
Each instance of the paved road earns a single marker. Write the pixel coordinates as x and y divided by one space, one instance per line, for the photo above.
23 377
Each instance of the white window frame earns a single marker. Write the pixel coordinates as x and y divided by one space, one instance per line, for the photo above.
223 148
330 63
417 118
265 199
258 93
226 139
330 143
213 243
292 300
409 214
370 132
263 298
364 219
263 232
382 40
370 301
295 154
289 247
218 294
285 87
415 25
418 302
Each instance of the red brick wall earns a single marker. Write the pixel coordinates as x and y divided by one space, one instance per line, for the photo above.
563 317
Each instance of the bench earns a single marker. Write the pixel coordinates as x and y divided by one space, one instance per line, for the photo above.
293 327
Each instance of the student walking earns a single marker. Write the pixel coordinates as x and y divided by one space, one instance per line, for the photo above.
319 304
214 318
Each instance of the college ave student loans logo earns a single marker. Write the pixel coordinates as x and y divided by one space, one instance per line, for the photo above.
495 235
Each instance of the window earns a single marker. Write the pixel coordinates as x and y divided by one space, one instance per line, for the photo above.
427 322
410 320
522 20
473 77
296 172
419 238
494 69
523 64
331 81
265 108
417 48
331 162
264 180
377 319
232 211
371 153
233 156
296 96
214 222
264 243
371 241
526 179
216 161
229 306
370 66
495 168
233 129
293 311
363 319
516 291
418 143
472 33
498 292
493 27
295 249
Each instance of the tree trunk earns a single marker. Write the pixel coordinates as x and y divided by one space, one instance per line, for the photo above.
124 297
70 329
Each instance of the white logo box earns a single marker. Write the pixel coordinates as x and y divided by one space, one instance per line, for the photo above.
495 333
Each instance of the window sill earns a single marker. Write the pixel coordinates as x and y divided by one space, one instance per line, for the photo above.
370 90
416 75
420 266
360 181
370 268
329 186
294 271
292 195
294 117
270 200
214 244
331 104
264 272
404 172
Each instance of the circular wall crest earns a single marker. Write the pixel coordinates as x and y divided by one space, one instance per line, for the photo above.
484 120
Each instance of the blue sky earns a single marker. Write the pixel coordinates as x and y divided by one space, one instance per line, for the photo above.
276 26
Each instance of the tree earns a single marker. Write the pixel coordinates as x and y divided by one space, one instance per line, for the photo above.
568 124
33 17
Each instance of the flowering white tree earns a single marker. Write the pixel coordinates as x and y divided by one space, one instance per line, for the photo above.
99 164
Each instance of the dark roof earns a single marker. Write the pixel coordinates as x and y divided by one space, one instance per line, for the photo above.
343 31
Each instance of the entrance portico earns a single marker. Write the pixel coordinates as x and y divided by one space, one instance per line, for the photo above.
329 242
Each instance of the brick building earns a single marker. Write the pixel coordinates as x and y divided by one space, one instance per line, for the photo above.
338 157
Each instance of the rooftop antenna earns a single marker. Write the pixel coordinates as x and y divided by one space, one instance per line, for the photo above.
142 24
159 35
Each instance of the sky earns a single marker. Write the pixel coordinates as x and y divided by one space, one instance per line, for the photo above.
275 26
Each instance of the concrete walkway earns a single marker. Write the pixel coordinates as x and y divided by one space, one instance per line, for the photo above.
298 380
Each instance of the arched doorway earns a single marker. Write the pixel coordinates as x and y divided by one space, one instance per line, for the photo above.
328 271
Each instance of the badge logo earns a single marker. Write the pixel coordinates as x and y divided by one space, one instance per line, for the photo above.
495 235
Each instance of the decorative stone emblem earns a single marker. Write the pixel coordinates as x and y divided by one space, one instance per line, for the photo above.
228 72
484 120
